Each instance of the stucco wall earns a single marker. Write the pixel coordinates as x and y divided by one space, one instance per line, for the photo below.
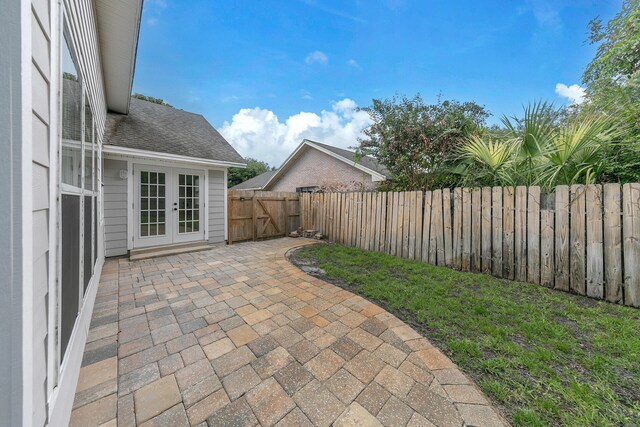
315 168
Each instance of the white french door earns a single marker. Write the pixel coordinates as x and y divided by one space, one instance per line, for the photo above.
168 205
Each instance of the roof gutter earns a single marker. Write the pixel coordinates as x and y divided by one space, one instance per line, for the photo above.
132 152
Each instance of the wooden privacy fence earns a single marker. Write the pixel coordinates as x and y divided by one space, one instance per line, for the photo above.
583 239
256 215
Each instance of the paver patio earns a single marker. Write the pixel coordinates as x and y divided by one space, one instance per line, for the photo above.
238 336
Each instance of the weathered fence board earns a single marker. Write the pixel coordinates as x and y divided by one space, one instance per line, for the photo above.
496 231
595 277
466 229
457 228
583 239
613 242
547 261
426 225
436 235
577 236
446 219
486 230
508 230
533 235
476 225
631 236
562 238
406 211
520 236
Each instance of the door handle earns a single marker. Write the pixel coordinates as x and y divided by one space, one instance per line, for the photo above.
175 209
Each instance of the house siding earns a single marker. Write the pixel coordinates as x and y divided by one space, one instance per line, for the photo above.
315 168
216 206
115 208
44 120
40 171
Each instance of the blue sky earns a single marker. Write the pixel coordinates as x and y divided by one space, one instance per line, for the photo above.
268 73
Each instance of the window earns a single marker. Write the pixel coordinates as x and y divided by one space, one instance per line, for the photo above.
79 188
314 189
188 203
71 161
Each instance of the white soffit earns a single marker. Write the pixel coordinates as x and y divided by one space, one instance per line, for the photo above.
118 29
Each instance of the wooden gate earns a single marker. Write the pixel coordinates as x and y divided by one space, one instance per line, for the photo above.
257 215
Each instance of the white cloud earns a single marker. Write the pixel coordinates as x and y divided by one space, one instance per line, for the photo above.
317 57
354 64
259 133
152 21
574 93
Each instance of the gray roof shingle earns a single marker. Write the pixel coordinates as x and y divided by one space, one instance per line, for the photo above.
163 129
256 182
366 161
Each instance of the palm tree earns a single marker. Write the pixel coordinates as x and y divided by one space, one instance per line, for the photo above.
539 149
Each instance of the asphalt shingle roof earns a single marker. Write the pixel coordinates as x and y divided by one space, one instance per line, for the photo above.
163 129
256 182
366 161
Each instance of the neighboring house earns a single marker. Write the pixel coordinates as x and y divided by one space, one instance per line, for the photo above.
255 183
65 64
314 166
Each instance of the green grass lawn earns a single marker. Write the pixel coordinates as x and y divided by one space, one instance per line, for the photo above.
544 357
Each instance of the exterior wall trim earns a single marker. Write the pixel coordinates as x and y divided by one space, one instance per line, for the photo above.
27 215
11 173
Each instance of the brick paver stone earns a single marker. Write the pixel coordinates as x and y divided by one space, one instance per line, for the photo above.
238 336
356 416
239 382
206 407
236 414
318 403
373 397
269 402
174 416
201 389
295 418
325 364
344 386
394 413
218 348
155 398
394 381
293 377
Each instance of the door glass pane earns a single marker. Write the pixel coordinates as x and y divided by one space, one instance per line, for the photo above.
152 204
188 203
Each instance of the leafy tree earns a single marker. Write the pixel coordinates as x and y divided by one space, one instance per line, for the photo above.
254 168
417 142
612 81
151 99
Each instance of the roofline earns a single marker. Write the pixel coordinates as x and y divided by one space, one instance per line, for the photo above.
135 52
124 151
375 176
246 189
